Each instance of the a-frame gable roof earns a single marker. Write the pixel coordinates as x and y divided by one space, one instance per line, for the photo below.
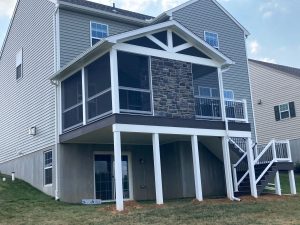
171 11
109 42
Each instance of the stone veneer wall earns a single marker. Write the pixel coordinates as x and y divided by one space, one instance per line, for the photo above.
173 93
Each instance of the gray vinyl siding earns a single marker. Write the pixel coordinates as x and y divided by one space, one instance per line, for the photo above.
207 16
274 88
29 101
75 33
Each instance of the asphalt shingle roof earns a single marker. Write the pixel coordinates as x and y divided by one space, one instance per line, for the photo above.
285 69
109 9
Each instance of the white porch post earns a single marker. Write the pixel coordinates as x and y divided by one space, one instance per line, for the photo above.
157 169
114 81
292 182
251 168
277 184
83 83
118 171
227 167
221 88
197 172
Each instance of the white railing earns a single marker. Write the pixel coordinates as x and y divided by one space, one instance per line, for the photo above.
211 108
275 151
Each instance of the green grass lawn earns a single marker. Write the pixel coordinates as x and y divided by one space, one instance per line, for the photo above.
22 204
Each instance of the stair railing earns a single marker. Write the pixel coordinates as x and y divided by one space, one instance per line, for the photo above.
274 151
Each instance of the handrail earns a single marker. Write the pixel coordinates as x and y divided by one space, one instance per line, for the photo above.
240 160
265 170
236 145
263 152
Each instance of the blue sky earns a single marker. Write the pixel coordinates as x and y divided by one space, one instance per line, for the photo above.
273 24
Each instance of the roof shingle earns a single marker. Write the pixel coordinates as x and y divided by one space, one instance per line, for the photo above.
109 9
285 69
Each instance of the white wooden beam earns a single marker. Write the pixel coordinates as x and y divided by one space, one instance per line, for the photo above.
252 176
277 184
118 171
157 169
84 94
114 81
181 47
227 168
292 182
170 38
197 171
158 42
178 130
221 89
164 54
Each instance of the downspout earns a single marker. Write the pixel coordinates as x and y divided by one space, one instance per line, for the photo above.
227 134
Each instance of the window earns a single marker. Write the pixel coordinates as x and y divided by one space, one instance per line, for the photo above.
99 87
212 39
134 83
209 92
285 111
48 167
228 95
72 101
98 32
19 65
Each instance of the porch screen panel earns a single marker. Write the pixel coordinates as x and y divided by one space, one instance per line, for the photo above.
134 83
99 88
72 101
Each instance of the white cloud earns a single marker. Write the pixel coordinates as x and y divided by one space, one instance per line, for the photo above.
169 4
270 7
254 47
268 60
7 7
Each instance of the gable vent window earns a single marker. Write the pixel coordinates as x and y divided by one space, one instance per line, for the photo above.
212 39
98 32
19 65
285 111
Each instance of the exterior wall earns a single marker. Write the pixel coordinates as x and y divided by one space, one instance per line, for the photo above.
274 88
77 171
295 149
30 168
29 101
209 17
172 83
75 33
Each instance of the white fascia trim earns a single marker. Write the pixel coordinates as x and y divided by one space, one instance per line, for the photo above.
171 11
178 131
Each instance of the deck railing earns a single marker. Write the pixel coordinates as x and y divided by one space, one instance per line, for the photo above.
210 108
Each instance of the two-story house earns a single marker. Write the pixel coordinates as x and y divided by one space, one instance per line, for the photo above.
102 103
276 106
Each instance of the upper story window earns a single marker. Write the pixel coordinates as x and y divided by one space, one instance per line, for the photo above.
48 168
98 32
285 111
212 39
19 65
209 92
228 95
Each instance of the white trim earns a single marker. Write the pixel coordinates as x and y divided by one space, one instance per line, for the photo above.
47 167
158 42
170 39
182 47
178 131
288 110
205 34
91 33
221 90
163 54
84 95
114 81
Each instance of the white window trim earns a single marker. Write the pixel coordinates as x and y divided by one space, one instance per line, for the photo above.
206 31
19 62
288 110
48 167
91 33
